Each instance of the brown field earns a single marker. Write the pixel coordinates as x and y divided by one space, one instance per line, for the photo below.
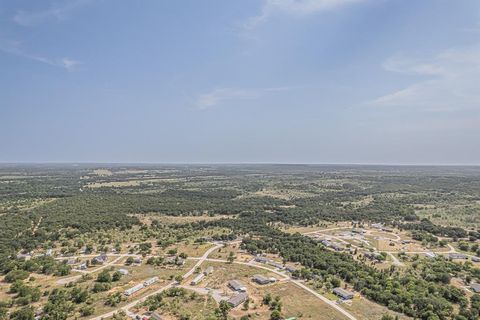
367 310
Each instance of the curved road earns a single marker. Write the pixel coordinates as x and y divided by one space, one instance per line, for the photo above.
142 299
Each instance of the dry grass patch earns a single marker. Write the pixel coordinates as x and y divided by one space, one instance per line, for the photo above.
367 310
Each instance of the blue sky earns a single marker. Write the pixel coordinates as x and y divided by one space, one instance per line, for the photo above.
284 81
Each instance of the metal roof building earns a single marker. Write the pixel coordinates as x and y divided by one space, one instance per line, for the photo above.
260 279
237 285
238 299
197 279
342 293
134 289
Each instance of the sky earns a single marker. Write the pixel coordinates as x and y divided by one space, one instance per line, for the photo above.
246 81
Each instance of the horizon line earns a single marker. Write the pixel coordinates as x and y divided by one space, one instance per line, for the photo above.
239 163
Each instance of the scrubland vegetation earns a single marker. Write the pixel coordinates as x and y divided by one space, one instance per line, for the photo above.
82 210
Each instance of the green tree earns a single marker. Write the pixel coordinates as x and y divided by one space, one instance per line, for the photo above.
275 315
25 313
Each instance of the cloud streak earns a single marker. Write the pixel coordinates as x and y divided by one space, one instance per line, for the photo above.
451 82
14 48
294 8
219 96
57 12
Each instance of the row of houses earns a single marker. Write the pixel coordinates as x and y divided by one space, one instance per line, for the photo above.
265 260
140 286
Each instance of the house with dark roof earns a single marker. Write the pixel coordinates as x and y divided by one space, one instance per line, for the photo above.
238 299
237 286
343 294
260 279
458 256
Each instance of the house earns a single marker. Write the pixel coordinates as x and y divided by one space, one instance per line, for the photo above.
71 261
359 231
377 226
457 256
175 260
197 279
325 242
336 247
373 256
276 265
101 259
155 316
82 266
291 269
137 261
475 259
237 286
261 279
150 281
49 252
208 271
24 256
123 271
475 287
343 294
238 299
261 259
134 289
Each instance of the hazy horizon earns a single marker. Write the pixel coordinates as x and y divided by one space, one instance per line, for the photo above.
240 82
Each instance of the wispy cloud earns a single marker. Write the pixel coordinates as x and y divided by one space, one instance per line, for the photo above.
294 7
14 48
451 81
222 95
55 11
